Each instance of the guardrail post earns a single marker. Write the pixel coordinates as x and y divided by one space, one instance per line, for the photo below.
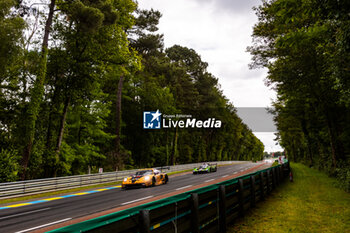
281 173
144 221
262 194
240 197
194 213
268 179
273 178
285 170
222 208
252 190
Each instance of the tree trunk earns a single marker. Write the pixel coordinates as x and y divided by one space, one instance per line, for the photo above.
167 148
174 149
332 139
49 127
332 142
61 129
36 94
117 156
308 140
61 133
293 151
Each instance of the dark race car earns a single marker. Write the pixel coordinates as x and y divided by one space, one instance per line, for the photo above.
205 168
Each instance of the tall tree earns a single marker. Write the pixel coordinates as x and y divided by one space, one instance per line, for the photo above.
11 54
37 92
304 46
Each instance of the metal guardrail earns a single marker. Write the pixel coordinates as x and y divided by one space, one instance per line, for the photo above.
30 187
207 209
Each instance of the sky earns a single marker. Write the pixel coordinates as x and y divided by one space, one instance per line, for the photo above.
219 31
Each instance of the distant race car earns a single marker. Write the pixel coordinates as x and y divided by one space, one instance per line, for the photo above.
145 178
205 168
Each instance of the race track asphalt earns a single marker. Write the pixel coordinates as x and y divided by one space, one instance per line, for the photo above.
36 216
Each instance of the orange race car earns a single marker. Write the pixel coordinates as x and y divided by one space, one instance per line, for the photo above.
145 178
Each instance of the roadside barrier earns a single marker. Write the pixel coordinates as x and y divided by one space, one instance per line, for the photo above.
30 187
207 209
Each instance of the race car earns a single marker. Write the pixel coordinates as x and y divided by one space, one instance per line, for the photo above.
145 178
205 168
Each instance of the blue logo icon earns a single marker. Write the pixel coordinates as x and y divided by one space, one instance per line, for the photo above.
151 120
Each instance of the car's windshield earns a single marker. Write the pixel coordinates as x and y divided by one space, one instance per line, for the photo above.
144 173
204 166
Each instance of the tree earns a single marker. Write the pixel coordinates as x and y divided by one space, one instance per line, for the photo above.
36 93
302 43
72 98
11 55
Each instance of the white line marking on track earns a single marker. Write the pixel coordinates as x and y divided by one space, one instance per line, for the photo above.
184 187
41 226
140 199
209 180
15 215
235 172
224 175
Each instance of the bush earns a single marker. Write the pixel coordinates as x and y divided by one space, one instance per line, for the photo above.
9 165
343 175
275 163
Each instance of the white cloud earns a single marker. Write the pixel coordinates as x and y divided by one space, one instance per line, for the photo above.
269 143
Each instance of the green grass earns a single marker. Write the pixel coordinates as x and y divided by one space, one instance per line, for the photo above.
177 172
311 203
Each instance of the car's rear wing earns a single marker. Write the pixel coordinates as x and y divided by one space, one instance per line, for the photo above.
163 168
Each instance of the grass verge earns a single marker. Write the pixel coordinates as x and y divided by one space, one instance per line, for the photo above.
178 172
311 203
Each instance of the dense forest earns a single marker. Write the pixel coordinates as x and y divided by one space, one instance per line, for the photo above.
75 78
305 44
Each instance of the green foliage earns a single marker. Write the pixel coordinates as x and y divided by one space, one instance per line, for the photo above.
58 103
343 174
304 46
10 35
9 166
